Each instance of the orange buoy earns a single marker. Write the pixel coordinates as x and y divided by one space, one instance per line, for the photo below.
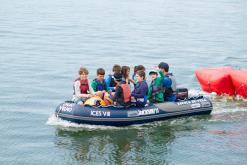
239 80
216 80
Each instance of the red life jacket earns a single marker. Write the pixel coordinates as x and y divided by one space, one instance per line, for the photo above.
84 87
126 92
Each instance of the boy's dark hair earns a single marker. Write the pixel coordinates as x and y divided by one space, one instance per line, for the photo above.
140 67
100 71
125 70
164 66
116 68
141 73
83 70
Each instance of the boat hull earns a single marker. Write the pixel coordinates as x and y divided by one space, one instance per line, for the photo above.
115 116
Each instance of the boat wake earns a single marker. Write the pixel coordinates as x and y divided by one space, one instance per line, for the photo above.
224 103
53 120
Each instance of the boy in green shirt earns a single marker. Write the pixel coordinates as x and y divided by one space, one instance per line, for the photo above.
99 83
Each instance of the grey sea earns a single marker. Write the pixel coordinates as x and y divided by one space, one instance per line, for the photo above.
44 42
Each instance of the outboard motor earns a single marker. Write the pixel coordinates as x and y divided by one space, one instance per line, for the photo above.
182 93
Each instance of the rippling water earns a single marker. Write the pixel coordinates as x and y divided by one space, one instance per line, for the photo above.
43 43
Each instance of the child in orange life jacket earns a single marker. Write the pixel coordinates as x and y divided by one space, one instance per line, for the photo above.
82 88
99 85
122 94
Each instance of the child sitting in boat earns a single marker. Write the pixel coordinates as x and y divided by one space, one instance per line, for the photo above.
139 94
169 83
99 85
82 89
122 94
111 84
137 68
155 90
126 75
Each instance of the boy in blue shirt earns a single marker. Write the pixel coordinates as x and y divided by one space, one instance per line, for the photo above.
169 83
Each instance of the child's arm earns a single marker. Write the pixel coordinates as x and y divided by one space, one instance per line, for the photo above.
91 90
160 79
77 89
94 86
132 81
161 74
149 92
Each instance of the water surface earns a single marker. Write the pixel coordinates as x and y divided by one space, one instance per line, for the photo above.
43 44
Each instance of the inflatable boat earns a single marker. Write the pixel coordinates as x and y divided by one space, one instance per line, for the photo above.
239 80
123 116
216 80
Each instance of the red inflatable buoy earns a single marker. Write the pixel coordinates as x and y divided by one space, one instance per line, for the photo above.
239 79
216 80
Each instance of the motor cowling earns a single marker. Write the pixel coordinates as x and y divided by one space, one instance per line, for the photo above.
182 93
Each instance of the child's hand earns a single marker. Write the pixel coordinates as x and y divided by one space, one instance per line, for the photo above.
133 99
132 81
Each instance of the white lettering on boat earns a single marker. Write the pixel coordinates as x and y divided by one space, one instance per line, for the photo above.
196 105
148 111
132 113
192 101
100 113
66 107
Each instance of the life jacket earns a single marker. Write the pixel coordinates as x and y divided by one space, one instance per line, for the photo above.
174 84
95 101
156 89
169 91
141 102
84 87
100 85
126 92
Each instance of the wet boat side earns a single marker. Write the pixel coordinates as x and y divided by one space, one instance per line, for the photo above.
127 116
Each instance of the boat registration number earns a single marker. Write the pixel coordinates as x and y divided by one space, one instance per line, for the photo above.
100 113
